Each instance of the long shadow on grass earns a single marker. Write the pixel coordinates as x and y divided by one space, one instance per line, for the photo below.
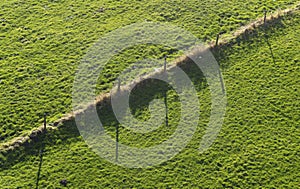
33 148
263 32
270 48
68 132
41 161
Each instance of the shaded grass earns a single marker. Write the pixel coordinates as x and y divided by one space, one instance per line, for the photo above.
66 136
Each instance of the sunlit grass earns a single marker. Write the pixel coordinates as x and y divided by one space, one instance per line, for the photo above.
258 145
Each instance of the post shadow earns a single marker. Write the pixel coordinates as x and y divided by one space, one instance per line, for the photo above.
40 162
42 149
117 126
267 37
166 104
165 95
270 48
117 142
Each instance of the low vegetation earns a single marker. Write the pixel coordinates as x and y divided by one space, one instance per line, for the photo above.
258 145
43 42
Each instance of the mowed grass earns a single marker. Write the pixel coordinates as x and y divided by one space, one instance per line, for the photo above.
258 146
43 42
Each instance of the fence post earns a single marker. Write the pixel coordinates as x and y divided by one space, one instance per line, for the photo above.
265 17
119 84
217 40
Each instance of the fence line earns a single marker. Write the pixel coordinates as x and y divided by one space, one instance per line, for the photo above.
260 22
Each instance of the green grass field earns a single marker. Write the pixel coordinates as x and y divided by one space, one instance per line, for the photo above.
258 146
43 42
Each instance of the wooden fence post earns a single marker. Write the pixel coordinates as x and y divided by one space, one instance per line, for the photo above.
119 84
265 17
217 40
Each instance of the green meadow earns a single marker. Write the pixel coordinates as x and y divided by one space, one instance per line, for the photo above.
257 147
43 42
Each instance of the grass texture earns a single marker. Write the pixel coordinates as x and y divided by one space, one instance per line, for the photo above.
258 146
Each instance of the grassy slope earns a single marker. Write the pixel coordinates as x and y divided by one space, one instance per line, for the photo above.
43 42
257 147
